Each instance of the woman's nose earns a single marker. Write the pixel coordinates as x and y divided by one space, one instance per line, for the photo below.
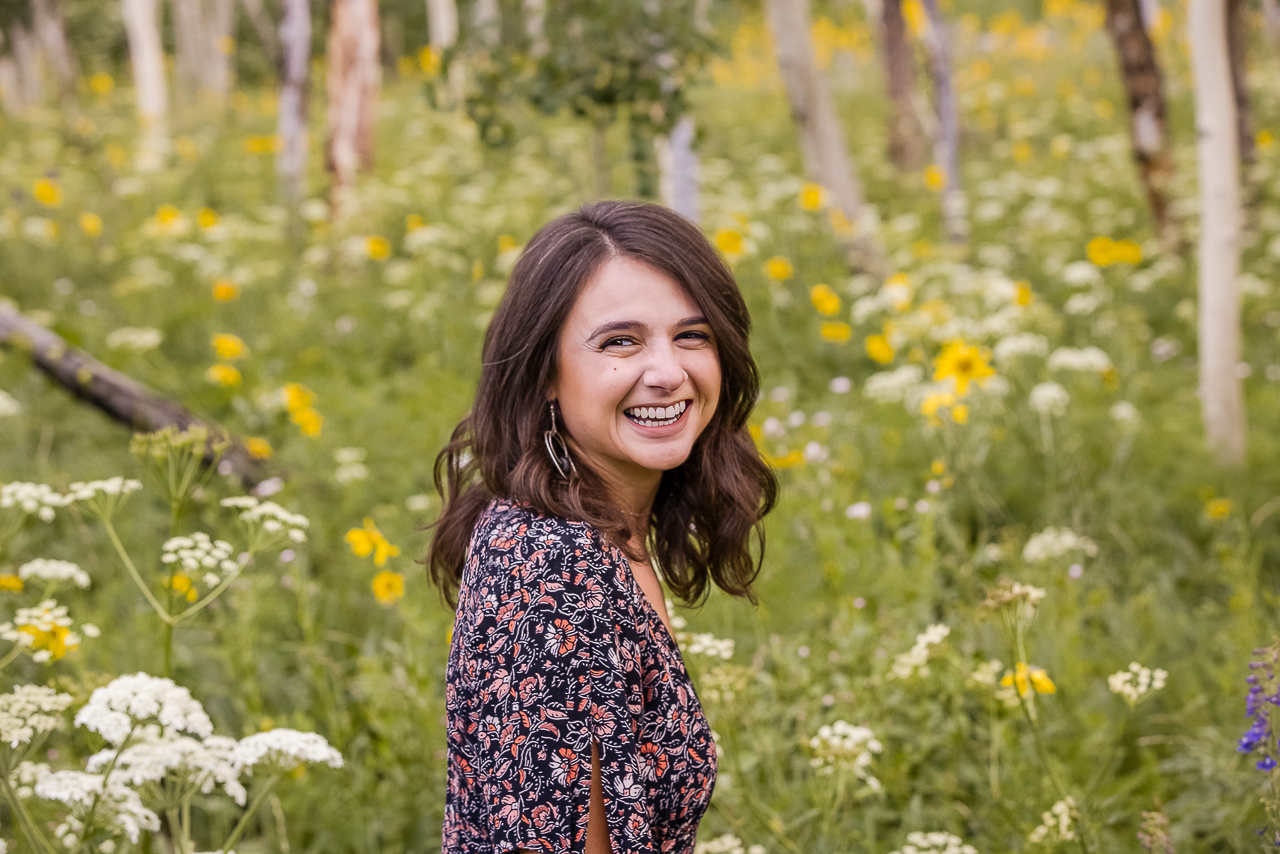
665 371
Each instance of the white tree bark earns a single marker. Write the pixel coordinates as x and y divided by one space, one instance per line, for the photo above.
26 56
442 23
353 80
142 29
1271 20
295 43
1221 393
262 25
486 18
678 170
535 13
947 144
1150 11
51 32
822 143
201 37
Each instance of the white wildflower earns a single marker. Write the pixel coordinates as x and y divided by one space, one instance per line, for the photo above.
1020 344
987 673
26 775
709 645
1137 683
119 805
1079 359
268 521
1056 542
9 406
936 842
350 465
34 499
858 510
1055 824
1014 593
199 553
136 338
28 711
1049 398
158 754
1125 413
116 709
285 748
890 386
44 630
1083 303
840 385
726 844
1081 273
916 660
846 745
114 486
54 570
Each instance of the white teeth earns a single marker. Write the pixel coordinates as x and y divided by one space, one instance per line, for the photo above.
652 416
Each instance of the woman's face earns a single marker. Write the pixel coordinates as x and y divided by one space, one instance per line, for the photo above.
638 377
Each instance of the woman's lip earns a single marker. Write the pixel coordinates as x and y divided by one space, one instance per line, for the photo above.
664 429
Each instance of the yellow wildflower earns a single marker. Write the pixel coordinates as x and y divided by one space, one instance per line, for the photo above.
836 332
1126 252
921 248
388 587
309 421
223 375
369 540
1103 109
841 224
917 20
812 197
965 363
429 59
377 247
297 397
729 241
960 413
934 402
101 83
90 224
47 192
1025 296
1218 508
1028 679
477 271
228 347
1264 140
258 448
53 639
824 299
778 269
180 583
506 243
9 581
207 218
879 349
786 461
1022 152
935 177
167 215
938 467
225 290
413 222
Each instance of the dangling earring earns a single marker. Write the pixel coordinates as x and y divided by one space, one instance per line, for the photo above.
556 447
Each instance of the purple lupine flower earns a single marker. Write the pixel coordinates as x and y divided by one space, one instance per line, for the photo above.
1266 763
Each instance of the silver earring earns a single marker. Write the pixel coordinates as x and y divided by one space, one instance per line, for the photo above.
556 447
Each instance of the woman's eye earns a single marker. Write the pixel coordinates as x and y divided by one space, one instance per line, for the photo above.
695 336
622 340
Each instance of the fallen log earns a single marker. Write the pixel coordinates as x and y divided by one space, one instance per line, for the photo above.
123 398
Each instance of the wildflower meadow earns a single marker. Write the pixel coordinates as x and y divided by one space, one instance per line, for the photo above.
1009 602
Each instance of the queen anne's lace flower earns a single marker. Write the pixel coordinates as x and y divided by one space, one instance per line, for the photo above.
45 630
892 386
158 754
1056 542
116 803
706 644
284 747
935 843
1079 359
269 517
1049 399
1055 824
115 486
34 499
54 570
916 659
847 745
26 775
199 553
115 709
1014 593
1137 683
726 844
28 711
1020 344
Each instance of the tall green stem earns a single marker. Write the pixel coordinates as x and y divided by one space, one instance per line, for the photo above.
248 814
133 572
29 828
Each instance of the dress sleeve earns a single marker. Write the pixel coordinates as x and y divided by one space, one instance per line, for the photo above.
558 677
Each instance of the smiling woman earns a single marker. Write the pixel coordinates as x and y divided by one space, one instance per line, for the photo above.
607 443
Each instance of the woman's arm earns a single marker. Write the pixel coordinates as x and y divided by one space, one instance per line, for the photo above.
597 826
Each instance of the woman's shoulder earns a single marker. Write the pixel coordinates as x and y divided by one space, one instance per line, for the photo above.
519 537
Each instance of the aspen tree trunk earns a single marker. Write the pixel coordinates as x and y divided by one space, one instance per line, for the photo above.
1148 125
822 144
51 32
487 18
678 170
26 57
295 43
1237 49
905 139
442 23
222 19
535 14
947 146
202 49
142 29
1150 12
1221 394
353 78
1271 20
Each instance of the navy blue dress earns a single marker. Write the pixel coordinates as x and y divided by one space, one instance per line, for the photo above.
554 645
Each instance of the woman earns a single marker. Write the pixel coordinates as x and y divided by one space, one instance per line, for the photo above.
608 439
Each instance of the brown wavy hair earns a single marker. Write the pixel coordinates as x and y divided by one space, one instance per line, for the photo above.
706 509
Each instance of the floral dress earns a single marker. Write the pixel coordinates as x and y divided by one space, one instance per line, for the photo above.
555 645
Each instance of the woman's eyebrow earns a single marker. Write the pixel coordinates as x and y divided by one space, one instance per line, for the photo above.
620 325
